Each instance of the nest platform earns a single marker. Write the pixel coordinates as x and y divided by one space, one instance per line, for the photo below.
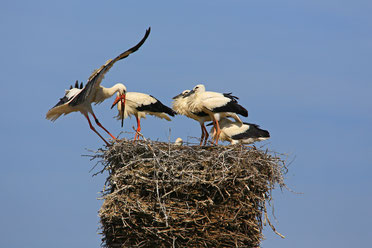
158 194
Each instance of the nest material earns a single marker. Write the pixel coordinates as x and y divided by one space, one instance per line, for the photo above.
163 195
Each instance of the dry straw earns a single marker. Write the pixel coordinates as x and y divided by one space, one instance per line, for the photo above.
161 195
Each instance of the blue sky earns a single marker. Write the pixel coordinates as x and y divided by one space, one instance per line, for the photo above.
301 68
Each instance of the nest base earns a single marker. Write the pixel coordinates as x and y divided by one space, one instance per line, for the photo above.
162 195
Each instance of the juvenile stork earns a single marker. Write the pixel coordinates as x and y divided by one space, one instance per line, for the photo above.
77 99
140 104
181 106
244 133
216 105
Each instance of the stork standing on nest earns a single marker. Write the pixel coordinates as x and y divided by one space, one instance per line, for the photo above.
244 133
181 106
216 105
81 99
140 104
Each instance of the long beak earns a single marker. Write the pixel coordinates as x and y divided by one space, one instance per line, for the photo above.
190 93
210 124
122 109
177 96
121 99
117 99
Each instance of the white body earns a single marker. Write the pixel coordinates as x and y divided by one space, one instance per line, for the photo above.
230 128
81 99
98 95
181 106
134 100
207 101
184 106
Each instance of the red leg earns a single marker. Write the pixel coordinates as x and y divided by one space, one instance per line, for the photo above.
91 127
206 135
203 135
138 128
99 124
214 129
218 132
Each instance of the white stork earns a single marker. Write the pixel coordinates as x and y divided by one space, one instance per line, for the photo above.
77 99
181 106
245 133
216 105
140 104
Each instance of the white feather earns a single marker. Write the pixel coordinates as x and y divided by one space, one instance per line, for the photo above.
135 100
230 129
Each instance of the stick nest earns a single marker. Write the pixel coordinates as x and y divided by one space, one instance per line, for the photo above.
161 195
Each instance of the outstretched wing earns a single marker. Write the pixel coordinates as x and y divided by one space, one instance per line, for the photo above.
96 78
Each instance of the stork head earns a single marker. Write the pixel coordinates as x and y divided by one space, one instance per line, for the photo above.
120 88
120 97
197 89
183 94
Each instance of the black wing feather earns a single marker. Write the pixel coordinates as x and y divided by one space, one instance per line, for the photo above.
157 107
232 106
254 131
97 76
200 114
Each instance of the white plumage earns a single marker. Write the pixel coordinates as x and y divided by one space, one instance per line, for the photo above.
80 98
141 104
245 133
181 106
70 102
178 142
216 105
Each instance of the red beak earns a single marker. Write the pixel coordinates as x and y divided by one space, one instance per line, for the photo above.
120 98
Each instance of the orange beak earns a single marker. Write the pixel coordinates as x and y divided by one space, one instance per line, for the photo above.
120 98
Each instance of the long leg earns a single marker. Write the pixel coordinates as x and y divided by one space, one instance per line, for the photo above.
214 130
91 127
138 128
99 124
202 135
218 131
206 134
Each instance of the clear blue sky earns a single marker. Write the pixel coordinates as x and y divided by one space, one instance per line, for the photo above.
301 68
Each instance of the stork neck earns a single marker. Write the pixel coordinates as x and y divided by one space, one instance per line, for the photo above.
116 88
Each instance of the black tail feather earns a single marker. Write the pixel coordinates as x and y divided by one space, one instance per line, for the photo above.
241 110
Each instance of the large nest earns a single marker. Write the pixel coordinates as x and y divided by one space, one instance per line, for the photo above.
163 195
